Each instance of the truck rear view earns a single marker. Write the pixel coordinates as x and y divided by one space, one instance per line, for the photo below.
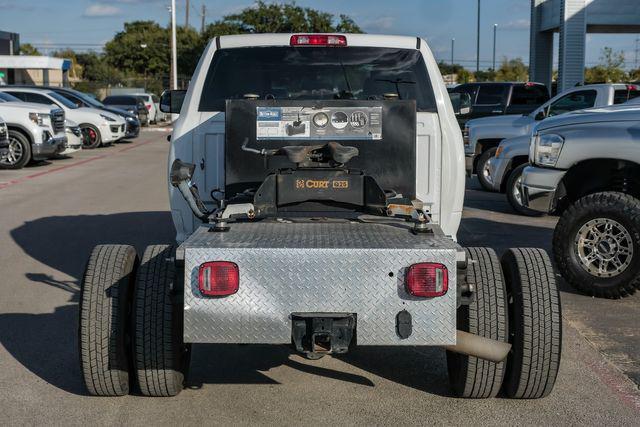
316 185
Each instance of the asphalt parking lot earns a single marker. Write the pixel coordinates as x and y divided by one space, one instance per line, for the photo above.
51 215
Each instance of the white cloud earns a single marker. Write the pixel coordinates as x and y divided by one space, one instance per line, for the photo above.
99 10
518 24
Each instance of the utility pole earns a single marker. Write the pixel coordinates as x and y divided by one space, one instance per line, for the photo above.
174 51
453 44
186 15
202 16
478 41
495 28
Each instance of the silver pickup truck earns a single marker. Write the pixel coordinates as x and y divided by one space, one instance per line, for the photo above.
586 166
482 136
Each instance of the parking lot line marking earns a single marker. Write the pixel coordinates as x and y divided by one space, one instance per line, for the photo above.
13 182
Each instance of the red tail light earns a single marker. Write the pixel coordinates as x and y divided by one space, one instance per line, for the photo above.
218 278
318 40
148 107
428 280
632 87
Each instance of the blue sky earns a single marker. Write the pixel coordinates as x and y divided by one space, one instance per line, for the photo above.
87 24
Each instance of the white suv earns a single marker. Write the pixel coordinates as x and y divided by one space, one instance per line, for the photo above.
152 102
98 126
35 132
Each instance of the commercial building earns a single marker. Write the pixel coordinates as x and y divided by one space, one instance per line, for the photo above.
573 19
37 70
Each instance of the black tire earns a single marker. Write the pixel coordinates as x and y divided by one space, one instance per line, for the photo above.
619 207
514 194
160 356
486 316
91 137
20 151
105 311
535 324
481 168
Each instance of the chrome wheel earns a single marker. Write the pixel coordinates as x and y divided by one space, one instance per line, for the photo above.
516 191
604 247
486 172
14 153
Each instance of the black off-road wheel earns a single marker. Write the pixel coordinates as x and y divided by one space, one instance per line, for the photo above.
482 168
105 311
486 316
596 245
535 324
514 192
160 356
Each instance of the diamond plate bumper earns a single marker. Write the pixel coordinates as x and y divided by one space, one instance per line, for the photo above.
339 267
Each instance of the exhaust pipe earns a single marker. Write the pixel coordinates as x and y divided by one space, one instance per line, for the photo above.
480 347
181 174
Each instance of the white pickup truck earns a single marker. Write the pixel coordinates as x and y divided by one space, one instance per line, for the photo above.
331 169
36 132
482 136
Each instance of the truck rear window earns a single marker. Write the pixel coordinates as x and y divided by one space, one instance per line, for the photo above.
529 95
623 95
304 73
120 100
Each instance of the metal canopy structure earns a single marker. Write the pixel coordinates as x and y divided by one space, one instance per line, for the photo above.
573 19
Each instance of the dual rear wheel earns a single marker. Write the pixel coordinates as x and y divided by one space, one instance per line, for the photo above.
516 301
130 327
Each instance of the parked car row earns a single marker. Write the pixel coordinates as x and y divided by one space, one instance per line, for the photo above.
497 148
577 155
45 122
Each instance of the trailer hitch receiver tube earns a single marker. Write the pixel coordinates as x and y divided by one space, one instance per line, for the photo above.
480 347
180 176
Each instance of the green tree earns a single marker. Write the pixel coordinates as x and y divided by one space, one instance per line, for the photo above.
485 75
280 18
29 50
609 70
463 75
513 70
142 48
95 68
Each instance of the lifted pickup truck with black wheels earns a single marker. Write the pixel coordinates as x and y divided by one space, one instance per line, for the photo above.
586 166
316 184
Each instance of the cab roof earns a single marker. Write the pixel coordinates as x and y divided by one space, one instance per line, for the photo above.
364 40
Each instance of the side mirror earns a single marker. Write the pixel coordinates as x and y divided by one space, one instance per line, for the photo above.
181 172
171 101
541 115
461 103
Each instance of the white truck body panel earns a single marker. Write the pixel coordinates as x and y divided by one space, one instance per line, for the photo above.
440 156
